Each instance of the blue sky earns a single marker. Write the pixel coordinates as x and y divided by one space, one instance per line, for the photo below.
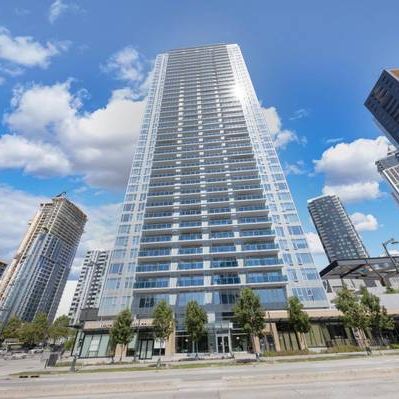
73 77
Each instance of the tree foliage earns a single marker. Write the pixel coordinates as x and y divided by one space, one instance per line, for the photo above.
249 313
297 318
12 328
121 331
163 322
364 311
195 321
60 329
354 312
378 315
35 332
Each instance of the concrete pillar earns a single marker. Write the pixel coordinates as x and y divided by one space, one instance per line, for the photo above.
170 344
276 339
256 344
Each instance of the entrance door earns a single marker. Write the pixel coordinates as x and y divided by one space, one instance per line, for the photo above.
146 348
223 344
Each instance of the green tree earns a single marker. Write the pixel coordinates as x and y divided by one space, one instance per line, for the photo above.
355 314
195 320
379 319
298 320
60 329
35 332
121 331
163 323
12 328
249 314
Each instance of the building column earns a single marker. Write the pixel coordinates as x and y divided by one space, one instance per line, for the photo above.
275 336
170 344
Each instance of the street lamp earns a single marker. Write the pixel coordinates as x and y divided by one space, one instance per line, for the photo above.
391 241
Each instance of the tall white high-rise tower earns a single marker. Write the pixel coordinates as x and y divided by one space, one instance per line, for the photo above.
207 209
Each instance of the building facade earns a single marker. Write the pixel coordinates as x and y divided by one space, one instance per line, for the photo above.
36 277
90 283
388 168
3 266
383 103
207 209
337 234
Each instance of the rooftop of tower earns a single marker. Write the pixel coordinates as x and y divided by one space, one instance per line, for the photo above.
204 46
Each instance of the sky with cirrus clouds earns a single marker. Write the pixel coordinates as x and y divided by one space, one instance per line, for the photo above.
74 76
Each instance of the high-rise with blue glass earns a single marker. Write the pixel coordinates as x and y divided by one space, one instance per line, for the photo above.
207 209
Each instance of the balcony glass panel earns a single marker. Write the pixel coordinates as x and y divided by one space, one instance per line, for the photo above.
225 279
190 265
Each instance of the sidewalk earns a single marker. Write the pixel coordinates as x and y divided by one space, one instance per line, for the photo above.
239 359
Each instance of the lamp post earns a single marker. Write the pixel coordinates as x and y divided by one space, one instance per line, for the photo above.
385 244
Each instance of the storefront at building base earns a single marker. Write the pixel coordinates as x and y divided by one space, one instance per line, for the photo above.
223 338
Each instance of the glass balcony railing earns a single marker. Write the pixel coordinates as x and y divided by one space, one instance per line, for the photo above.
259 246
224 280
265 278
152 267
263 261
152 284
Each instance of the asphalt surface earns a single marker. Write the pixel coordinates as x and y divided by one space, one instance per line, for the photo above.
371 377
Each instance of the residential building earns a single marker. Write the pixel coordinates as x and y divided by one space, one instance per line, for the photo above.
383 103
36 277
337 234
87 294
388 168
207 209
3 266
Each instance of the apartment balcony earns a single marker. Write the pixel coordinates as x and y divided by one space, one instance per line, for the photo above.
261 278
151 284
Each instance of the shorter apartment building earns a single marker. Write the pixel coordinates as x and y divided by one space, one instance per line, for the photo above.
337 234
388 168
86 298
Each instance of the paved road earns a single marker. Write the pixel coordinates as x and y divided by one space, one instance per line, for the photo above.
374 377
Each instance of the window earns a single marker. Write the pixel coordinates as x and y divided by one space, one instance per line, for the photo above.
295 230
299 243
310 274
116 268
189 265
304 258
272 298
309 294
287 259
184 297
113 283
225 297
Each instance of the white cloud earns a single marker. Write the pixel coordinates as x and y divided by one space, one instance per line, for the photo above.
25 51
297 168
314 243
59 7
354 192
129 66
281 137
299 114
97 145
350 170
15 202
38 158
363 222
